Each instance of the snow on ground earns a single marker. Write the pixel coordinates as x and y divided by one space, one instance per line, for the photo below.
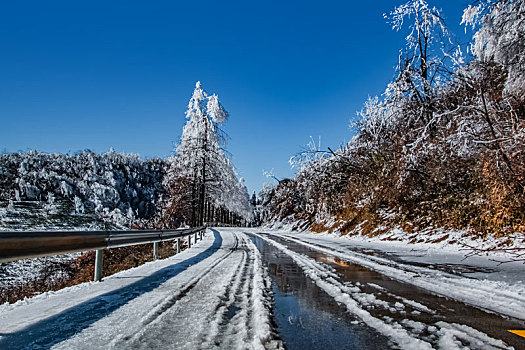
501 249
477 280
19 272
215 294
218 295
407 334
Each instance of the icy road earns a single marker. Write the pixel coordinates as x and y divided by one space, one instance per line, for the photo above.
251 289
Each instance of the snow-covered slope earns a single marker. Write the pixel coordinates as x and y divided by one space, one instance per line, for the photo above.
120 187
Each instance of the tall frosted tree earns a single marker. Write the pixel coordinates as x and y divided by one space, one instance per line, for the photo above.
202 182
422 63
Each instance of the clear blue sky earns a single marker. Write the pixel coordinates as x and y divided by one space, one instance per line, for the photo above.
101 74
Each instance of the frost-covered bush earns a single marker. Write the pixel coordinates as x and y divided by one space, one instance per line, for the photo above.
500 37
442 146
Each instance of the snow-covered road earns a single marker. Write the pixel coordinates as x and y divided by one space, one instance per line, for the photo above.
478 281
219 294
214 294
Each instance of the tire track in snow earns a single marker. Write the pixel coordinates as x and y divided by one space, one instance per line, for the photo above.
199 319
220 318
245 317
242 316
164 305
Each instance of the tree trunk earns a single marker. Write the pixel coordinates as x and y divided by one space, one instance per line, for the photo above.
203 175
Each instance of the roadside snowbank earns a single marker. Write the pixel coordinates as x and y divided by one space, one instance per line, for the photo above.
505 248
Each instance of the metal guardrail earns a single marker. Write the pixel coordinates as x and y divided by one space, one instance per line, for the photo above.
31 244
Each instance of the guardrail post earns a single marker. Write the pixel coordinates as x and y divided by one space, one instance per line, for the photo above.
178 245
189 241
200 234
99 257
195 237
155 250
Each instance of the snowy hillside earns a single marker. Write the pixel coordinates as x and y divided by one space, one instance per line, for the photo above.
441 150
119 187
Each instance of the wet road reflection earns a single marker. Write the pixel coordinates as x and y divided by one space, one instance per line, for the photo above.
306 317
304 310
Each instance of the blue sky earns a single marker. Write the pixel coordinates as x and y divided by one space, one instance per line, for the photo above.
101 74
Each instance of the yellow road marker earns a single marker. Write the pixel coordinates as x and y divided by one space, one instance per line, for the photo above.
521 333
337 261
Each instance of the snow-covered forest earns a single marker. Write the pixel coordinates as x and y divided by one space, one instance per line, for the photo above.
41 191
197 184
441 148
121 188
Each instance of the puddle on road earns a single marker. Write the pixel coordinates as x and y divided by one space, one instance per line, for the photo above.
305 297
307 317
454 268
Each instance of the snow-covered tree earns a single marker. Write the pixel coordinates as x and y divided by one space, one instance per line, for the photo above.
422 61
494 120
500 37
202 180
442 146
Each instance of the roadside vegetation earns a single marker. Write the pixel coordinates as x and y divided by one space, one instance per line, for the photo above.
442 148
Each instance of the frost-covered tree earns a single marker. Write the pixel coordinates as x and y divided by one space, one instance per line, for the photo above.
397 125
494 116
443 146
202 180
500 37
422 61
